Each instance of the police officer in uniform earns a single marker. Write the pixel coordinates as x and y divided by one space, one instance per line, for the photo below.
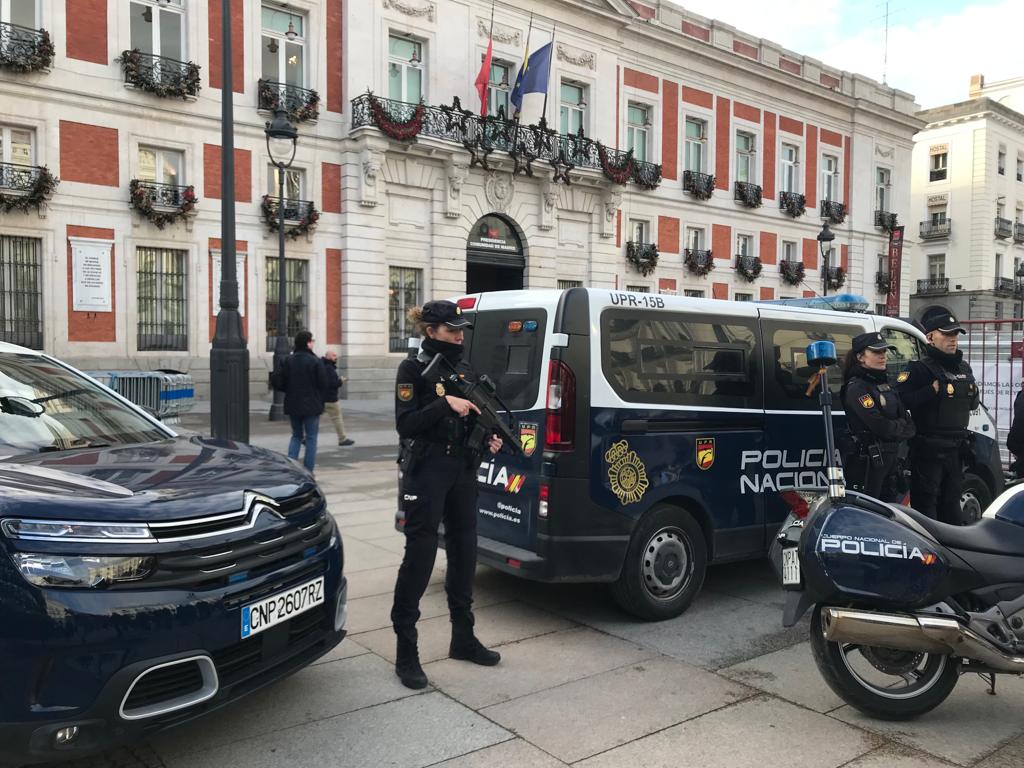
940 392
879 424
438 485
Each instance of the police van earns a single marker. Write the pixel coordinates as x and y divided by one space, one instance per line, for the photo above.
659 431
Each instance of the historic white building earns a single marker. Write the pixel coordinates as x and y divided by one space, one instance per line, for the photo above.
968 193
739 151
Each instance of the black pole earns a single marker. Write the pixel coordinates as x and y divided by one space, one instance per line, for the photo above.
281 345
836 481
229 355
824 256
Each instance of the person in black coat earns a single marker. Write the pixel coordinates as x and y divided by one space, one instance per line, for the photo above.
879 424
303 380
1015 437
331 406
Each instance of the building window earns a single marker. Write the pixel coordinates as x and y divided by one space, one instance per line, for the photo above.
1001 210
883 189
743 297
938 169
696 141
158 28
692 293
937 214
1020 169
161 166
639 231
405 69
788 250
1001 162
21 291
638 129
572 112
936 266
404 289
498 88
744 245
789 177
745 148
881 309
565 285
999 265
999 310
695 238
294 183
283 47
638 289
296 291
162 299
17 145
829 177
20 12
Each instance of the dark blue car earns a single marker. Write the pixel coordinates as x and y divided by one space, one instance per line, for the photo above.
146 579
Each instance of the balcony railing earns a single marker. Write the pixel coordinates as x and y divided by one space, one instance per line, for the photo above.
159 75
834 278
1018 232
23 187
833 211
164 195
883 282
1004 285
18 178
643 256
24 49
483 136
748 267
934 230
885 220
937 174
793 203
301 104
748 194
698 261
700 185
933 285
300 216
162 204
1004 228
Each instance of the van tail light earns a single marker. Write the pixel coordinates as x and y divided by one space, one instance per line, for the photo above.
542 506
560 425
466 302
801 500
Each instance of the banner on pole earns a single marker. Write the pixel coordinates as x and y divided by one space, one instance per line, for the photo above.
892 300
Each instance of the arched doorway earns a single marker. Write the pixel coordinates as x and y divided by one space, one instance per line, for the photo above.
495 259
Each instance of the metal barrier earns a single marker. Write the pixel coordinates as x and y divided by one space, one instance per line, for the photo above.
995 351
165 393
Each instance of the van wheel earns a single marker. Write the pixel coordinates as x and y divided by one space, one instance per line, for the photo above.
665 565
975 498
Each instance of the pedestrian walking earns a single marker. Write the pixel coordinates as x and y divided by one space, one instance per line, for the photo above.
303 380
438 485
940 391
1015 437
879 424
331 406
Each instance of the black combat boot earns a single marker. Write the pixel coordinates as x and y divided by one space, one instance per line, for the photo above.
465 646
407 661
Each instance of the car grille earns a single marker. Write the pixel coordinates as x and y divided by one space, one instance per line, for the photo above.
237 520
165 684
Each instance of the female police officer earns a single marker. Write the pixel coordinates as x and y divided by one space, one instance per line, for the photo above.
877 420
438 484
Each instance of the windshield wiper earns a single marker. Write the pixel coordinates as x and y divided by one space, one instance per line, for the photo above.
56 448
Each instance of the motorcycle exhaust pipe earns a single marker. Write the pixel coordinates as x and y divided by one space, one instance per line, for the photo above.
931 634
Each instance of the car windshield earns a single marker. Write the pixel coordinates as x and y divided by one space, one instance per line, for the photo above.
46 407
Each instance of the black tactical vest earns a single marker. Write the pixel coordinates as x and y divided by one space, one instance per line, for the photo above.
947 415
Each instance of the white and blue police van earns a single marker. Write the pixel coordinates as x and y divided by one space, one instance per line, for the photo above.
660 432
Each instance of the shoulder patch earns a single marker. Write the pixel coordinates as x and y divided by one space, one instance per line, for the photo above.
867 401
405 392
904 375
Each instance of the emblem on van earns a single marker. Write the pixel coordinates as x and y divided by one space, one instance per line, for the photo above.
705 452
528 438
626 473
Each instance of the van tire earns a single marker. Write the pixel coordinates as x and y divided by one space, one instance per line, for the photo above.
664 567
975 497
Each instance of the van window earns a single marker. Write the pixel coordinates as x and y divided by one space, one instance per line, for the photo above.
508 346
788 373
908 349
674 358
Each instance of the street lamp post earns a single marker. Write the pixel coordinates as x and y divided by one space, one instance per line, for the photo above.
825 238
281 140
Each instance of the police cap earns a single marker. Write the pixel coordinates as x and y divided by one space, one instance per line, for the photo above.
872 341
447 312
942 320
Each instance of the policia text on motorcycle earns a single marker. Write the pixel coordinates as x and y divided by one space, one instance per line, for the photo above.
940 392
438 484
879 424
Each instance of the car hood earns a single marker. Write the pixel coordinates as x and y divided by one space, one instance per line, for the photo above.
173 479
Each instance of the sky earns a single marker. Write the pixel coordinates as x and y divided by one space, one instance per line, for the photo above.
934 45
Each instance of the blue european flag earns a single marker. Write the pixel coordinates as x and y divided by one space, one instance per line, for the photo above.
533 77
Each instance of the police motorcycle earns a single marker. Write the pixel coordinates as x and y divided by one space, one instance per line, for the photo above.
902 605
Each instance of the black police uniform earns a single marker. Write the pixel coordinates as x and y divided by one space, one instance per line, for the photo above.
936 453
879 426
439 484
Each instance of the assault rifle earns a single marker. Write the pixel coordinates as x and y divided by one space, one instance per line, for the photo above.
484 395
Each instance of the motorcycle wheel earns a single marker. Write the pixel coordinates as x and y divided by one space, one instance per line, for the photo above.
882 682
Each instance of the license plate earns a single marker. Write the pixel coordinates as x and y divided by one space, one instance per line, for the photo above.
790 566
281 607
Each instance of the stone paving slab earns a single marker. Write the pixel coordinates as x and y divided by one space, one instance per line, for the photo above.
369 613
361 556
515 753
1009 756
758 733
892 756
616 707
383 529
381 581
790 674
412 733
346 649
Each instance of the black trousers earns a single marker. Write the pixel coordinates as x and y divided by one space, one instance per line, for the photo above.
440 489
877 479
937 480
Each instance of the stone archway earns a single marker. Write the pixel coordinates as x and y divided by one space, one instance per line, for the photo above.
495 256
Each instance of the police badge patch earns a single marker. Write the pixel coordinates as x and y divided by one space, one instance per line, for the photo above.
439 389
903 377
867 401
705 452
405 392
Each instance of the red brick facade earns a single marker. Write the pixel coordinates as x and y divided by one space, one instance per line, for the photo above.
668 234
333 286
237 45
92 326
87 30
698 97
811 168
695 30
669 129
722 143
746 112
789 125
331 188
769 248
768 185
641 80
89 154
720 290
745 49
767 293
335 61
243 173
810 254
721 241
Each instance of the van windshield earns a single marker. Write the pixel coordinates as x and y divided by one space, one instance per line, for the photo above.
46 407
508 346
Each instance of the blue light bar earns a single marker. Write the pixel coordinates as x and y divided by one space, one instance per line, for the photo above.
841 302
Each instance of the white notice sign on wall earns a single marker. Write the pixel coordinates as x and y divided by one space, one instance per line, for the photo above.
90 275
240 276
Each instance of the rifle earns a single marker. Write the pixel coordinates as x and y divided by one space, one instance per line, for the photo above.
484 395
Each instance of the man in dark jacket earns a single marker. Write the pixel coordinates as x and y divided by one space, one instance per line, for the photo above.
331 406
303 380
1015 438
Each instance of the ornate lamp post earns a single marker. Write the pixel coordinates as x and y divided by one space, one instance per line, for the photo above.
825 238
281 140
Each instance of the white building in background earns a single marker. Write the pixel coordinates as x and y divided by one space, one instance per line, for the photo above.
968 194
740 151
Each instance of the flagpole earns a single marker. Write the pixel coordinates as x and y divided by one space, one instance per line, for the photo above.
547 89
522 69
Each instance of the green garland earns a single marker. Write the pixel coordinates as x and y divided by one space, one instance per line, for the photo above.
180 88
270 214
141 199
749 267
41 191
40 57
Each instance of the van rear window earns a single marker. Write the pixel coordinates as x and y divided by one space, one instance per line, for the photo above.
508 346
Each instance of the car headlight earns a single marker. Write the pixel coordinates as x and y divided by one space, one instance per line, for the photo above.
80 570
62 530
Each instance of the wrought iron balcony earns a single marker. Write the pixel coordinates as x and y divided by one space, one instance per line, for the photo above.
1004 286
835 277
700 185
933 285
1004 228
159 75
1018 232
883 282
24 49
23 187
937 174
793 203
164 195
18 178
301 104
698 261
643 256
294 210
885 220
748 267
935 230
748 194
482 136
833 211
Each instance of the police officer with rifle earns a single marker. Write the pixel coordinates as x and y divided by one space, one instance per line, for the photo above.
446 423
940 391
